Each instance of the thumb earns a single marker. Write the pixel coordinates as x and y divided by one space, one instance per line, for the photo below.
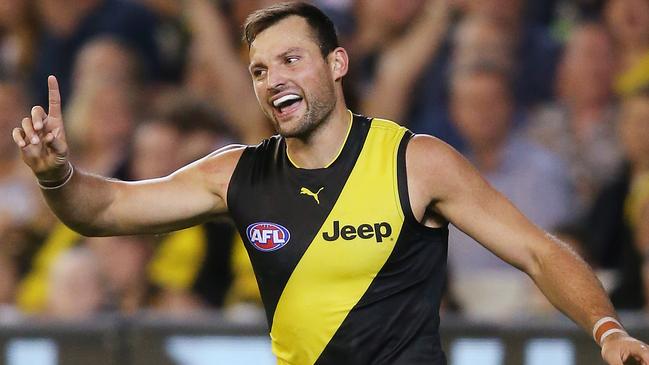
55 141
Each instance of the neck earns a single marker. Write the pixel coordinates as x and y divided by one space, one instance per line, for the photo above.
322 146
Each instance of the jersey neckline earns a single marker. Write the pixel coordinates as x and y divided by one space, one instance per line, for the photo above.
343 147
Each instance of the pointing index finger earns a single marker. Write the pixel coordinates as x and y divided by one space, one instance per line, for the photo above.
54 97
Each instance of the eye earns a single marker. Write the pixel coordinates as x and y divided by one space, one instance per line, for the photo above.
291 59
258 73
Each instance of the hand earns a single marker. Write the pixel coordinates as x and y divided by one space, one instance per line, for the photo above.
619 348
41 138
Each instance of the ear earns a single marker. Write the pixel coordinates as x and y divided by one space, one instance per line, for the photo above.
339 63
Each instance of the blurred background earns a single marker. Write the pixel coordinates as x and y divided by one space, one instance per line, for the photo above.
548 98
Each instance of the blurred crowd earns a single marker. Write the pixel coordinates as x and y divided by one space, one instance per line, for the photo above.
548 98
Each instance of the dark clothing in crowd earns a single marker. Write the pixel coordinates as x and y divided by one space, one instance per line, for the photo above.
610 240
125 21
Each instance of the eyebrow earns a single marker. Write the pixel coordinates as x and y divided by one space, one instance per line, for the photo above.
289 51
281 55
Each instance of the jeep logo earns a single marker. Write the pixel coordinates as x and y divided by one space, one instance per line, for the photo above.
364 231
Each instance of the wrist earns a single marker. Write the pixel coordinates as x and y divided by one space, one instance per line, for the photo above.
607 327
56 178
613 336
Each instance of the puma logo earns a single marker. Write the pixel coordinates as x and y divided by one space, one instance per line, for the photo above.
308 192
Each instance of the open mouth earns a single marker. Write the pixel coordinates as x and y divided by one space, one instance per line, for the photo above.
287 103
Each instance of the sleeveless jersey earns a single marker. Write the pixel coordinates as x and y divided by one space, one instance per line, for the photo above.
346 273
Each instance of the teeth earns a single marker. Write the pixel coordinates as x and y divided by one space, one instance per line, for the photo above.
285 98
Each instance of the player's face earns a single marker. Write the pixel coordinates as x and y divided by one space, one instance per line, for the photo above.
293 83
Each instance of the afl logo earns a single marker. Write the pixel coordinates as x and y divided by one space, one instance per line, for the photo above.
266 236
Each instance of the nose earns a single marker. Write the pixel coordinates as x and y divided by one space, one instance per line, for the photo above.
276 80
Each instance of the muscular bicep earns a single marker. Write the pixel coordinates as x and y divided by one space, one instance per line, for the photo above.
189 196
451 187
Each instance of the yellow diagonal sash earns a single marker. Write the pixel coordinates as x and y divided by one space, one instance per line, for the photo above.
332 276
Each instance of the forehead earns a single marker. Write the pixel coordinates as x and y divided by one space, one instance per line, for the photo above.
290 32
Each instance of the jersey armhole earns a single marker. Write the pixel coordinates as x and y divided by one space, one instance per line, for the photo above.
233 185
404 196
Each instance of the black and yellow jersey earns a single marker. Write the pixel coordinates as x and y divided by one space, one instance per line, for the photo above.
346 273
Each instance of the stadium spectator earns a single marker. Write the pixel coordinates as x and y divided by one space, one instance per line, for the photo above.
68 25
102 116
488 24
76 289
411 49
217 74
581 125
617 223
20 200
101 120
122 261
534 179
17 31
628 21
106 60
479 38
413 36
536 53
199 267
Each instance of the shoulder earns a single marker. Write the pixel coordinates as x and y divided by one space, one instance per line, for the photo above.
225 158
437 168
213 170
424 150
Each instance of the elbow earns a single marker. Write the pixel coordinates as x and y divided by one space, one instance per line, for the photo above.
551 253
87 229
534 267
540 256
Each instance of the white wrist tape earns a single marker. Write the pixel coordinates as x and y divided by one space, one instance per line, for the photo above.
605 327
610 332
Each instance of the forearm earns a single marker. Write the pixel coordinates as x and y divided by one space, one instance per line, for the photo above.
213 48
570 285
81 202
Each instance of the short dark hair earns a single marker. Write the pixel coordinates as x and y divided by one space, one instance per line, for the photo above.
322 27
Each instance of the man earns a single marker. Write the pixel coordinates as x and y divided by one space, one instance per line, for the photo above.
533 179
345 226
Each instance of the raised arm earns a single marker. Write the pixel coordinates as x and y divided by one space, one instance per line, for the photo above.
98 206
443 184
405 60
212 48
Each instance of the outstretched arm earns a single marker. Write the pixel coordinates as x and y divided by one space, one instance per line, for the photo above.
464 198
98 206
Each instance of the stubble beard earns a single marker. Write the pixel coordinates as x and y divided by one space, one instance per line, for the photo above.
318 109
